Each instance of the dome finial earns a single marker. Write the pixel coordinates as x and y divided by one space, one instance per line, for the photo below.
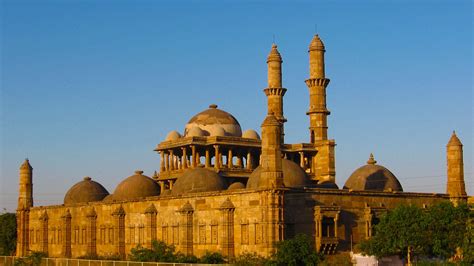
371 159
139 172
213 106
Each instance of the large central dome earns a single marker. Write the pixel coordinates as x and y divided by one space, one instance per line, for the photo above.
214 122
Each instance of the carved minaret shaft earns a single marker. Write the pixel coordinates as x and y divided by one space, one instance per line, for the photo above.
25 196
275 91
455 187
272 175
25 202
317 84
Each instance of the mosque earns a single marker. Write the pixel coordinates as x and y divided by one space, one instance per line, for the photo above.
222 189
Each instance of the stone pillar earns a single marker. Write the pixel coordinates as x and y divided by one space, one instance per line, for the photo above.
44 232
162 186
302 165
66 250
368 223
239 161
227 208
171 182
162 161
318 220
184 159
456 187
167 161
208 158
230 164
150 214
218 158
119 223
92 233
335 218
193 155
172 160
249 161
187 212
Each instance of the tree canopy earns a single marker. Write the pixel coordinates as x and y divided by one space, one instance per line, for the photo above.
7 233
434 232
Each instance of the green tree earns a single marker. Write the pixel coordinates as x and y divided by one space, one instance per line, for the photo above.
446 228
399 229
296 252
159 252
7 233
212 258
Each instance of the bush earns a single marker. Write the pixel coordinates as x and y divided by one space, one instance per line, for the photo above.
34 259
249 259
212 258
182 258
159 252
295 252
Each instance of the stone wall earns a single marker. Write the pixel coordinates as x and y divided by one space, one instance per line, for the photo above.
230 222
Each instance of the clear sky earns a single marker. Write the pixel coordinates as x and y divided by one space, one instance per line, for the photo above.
88 88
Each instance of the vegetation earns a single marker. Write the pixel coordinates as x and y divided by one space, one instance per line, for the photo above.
295 252
162 252
7 234
249 259
436 232
34 259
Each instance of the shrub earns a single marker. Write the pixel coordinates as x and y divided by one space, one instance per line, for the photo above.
159 252
249 259
295 252
212 258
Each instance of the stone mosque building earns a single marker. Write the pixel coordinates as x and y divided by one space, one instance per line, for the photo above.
219 188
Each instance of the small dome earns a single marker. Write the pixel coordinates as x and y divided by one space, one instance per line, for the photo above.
136 186
236 185
173 135
85 191
250 134
213 118
198 180
293 175
373 177
195 132
217 131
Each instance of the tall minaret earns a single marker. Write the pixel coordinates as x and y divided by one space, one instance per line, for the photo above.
317 84
275 91
271 163
25 196
455 187
25 202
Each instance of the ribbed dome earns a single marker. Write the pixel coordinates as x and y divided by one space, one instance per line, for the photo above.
250 134
173 135
85 191
293 175
136 186
198 180
211 119
373 177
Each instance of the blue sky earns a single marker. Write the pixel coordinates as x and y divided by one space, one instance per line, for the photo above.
88 88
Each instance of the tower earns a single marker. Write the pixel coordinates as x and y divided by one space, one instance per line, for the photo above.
323 164
455 186
275 91
272 174
25 202
317 84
